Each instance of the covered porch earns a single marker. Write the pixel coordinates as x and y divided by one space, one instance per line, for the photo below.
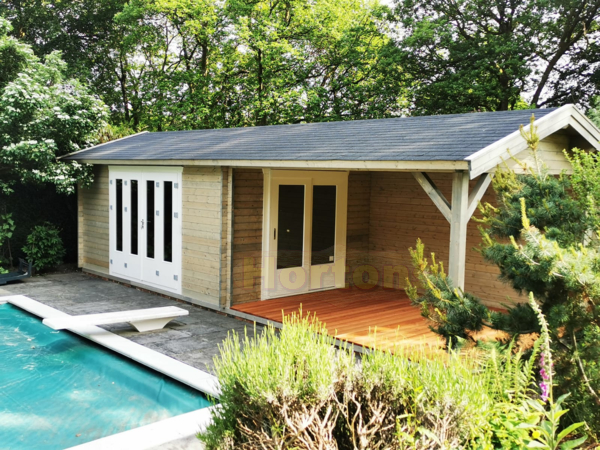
385 213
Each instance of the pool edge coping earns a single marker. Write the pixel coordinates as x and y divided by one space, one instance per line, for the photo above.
176 431
176 428
184 373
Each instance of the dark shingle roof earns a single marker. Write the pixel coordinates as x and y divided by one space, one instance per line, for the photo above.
451 137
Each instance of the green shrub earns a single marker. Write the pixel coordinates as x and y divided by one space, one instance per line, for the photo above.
7 228
33 205
270 383
44 247
540 233
291 389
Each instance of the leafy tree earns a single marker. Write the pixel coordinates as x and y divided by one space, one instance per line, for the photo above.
43 115
172 58
181 64
594 112
314 61
471 55
243 63
541 236
86 34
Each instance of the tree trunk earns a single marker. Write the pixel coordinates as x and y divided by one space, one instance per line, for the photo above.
261 119
123 82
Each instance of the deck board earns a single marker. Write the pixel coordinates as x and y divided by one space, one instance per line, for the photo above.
377 317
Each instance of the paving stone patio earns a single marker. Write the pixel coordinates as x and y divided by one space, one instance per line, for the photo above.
192 339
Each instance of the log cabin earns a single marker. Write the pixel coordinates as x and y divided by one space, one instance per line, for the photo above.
323 213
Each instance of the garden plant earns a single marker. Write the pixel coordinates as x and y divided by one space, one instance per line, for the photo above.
292 389
45 113
542 235
44 248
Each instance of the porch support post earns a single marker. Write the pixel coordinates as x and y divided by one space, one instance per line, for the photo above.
458 228
458 213
229 238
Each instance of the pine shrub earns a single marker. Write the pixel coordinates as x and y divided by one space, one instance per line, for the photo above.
542 234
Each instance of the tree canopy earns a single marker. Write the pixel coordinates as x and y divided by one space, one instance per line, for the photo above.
484 55
43 115
182 64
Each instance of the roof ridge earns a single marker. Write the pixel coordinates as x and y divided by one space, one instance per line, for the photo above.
356 121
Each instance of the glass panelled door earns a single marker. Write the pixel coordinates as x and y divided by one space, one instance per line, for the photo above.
145 225
161 246
305 234
124 211
290 235
323 233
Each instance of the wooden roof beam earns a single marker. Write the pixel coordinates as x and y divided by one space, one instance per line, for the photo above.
458 213
435 194
478 192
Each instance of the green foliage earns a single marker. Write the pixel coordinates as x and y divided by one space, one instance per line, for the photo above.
545 434
43 115
110 132
84 31
33 205
476 55
549 205
541 235
7 228
183 64
584 407
14 55
290 388
44 248
594 112
586 184
455 315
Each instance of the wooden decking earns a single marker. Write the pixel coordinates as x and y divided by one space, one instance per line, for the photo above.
382 318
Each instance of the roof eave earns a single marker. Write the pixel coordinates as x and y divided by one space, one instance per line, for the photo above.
494 154
69 155
407 166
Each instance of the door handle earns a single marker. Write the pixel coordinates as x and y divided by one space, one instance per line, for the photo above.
142 224
274 233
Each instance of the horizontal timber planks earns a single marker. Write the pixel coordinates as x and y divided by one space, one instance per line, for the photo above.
93 221
246 253
401 212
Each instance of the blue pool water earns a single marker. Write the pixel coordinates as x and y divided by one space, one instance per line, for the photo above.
58 390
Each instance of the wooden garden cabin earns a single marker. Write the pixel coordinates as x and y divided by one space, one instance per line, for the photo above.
233 219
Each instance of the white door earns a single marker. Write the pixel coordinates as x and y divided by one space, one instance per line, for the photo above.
125 214
161 230
145 225
305 231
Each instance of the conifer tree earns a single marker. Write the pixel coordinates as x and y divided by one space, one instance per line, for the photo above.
542 235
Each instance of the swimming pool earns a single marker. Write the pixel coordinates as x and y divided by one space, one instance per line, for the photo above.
58 390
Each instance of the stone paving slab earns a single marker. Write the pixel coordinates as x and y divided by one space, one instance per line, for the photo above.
192 339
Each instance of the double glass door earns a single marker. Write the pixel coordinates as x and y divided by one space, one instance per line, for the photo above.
306 231
145 225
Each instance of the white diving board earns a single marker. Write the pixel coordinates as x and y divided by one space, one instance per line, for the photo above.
141 319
